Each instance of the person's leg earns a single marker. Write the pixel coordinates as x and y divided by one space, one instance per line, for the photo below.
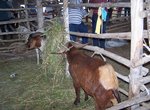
110 10
125 12
73 28
128 11
2 27
83 29
94 21
102 41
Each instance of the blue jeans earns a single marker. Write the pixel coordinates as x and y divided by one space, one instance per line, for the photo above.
98 42
78 28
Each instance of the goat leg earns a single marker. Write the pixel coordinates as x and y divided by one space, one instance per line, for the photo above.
77 90
86 96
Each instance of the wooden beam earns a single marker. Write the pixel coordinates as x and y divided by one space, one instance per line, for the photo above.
14 9
124 35
120 24
123 91
14 40
111 55
10 33
108 4
128 103
18 21
66 18
136 48
27 14
141 61
119 18
124 78
144 80
40 14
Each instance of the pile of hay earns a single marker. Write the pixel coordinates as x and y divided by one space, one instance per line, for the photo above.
53 64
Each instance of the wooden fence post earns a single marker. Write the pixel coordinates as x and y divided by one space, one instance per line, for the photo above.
66 24
66 18
136 48
40 14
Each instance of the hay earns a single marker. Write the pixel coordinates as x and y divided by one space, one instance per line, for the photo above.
54 65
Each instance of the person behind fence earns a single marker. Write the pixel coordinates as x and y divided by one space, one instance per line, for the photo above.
97 23
6 16
127 10
75 21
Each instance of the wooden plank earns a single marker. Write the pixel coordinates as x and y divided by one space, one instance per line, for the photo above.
111 55
128 103
108 4
18 21
66 19
10 33
136 48
12 40
40 14
123 35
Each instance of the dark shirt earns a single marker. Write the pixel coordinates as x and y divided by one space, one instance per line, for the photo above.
95 10
5 15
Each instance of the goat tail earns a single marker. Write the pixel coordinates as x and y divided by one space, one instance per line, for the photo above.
117 96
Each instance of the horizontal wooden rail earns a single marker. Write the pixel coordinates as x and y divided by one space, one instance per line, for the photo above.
15 9
135 100
10 33
111 55
18 21
125 35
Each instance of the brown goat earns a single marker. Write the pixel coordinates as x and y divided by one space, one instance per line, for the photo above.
96 77
36 41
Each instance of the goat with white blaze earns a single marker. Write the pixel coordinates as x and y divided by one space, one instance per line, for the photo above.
96 77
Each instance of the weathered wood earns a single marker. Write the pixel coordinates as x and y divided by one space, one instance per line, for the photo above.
12 40
66 25
124 35
123 28
111 55
18 21
40 14
27 15
108 4
120 24
6 48
14 9
122 77
147 106
136 48
123 91
128 103
66 18
9 33
141 61
144 80
119 18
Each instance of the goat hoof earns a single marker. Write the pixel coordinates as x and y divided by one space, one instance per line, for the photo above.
86 98
76 102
